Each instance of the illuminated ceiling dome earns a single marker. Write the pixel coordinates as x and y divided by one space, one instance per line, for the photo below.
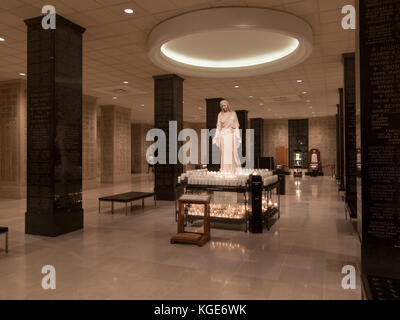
230 42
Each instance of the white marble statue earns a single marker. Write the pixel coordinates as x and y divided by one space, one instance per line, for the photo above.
228 138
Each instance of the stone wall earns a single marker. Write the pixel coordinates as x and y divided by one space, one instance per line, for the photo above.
115 144
322 136
13 128
196 127
89 141
275 136
139 147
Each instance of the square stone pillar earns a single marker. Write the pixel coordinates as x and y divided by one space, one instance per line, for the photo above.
54 140
168 106
213 109
379 60
257 124
115 144
338 168
243 117
350 133
342 150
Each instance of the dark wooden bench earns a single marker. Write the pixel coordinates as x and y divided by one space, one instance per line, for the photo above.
126 198
5 230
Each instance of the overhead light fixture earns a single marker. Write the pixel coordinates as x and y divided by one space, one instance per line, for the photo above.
299 81
128 11
304 92
236 87
231 47
22 74
168 51
115 98
2 39
142 105
251 97
126 82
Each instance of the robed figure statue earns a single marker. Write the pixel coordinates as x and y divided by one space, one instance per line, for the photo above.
227 138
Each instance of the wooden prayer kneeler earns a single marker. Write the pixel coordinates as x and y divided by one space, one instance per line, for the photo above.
193 237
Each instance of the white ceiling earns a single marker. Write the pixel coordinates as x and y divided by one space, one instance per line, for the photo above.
115 50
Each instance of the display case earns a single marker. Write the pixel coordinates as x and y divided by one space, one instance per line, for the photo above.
230 198
315 165
298 164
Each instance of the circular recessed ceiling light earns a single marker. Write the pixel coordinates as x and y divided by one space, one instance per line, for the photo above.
126 82
304 92
115 98
128 11
2 39
246 42
237 87
251 97
22 74
299 81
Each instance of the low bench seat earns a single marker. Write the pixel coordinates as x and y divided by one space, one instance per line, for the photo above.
126 198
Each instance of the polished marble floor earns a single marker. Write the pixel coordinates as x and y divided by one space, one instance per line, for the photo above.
130 257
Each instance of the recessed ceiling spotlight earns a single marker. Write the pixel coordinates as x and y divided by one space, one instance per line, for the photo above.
236 87
115 98
128 11
2 39
251 97
299 81
22 74
304 92
126 82
142 105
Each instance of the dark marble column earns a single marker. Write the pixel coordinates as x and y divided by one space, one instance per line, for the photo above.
168 106
54 143
243 117
341 141
379 52
257 124
298 131
213 109
338 143
350 136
